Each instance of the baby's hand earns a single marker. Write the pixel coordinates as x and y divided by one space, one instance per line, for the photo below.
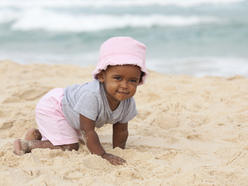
114 160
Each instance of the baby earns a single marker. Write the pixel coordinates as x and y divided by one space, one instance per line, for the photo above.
64 116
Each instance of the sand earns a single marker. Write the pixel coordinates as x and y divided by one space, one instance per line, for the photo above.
189 131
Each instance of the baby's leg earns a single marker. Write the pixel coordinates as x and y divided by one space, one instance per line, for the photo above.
22 146
33 134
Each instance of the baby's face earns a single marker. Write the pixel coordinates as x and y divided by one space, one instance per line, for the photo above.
120 82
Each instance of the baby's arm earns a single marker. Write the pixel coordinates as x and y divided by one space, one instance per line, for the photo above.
120 135
93 143
91 138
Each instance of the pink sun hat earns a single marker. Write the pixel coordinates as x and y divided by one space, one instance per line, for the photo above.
122 51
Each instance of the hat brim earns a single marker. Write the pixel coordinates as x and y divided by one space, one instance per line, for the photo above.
120 59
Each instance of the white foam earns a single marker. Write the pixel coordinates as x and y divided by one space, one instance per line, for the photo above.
8 16
201 66
52 21
109 3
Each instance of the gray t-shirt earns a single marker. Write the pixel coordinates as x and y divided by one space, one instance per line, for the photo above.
90 100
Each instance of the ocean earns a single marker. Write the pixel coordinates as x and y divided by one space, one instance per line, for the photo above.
186 37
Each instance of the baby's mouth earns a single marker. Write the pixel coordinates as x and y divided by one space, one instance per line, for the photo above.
121 92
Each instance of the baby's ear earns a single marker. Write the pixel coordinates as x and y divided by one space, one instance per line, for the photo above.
101 76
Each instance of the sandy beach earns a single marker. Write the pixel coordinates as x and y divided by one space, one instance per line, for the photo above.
189 131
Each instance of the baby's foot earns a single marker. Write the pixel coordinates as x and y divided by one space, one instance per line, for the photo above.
20 147
33 134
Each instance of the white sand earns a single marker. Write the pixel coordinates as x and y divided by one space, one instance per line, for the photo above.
189 131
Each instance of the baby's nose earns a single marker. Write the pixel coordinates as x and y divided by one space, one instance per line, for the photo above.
124 84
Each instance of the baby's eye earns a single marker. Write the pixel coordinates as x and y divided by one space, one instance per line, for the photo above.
133 81
118 78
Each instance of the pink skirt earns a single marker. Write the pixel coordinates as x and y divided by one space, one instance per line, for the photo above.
51 121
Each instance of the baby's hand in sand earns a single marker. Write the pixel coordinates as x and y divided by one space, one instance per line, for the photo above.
114 160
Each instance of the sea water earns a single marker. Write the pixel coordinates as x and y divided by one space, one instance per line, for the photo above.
192 37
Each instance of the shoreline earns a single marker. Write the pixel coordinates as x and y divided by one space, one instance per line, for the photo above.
189 131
